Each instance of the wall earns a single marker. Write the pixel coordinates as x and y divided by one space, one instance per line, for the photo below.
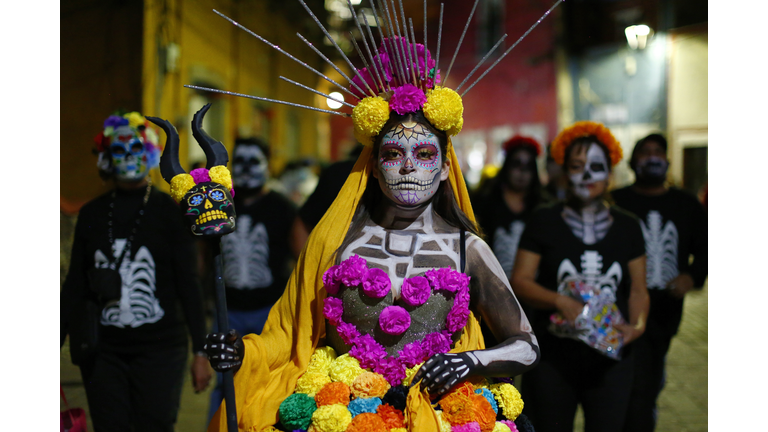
688 97
100 73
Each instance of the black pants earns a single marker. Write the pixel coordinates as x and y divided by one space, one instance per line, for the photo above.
650 353
135 392
571 373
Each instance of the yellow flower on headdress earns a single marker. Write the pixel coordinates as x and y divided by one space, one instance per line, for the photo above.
584 129
220 174
135 119
444 110
180 185
369 116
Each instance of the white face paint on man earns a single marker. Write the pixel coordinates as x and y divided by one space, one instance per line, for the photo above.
250 169
410 167
129 157
588 172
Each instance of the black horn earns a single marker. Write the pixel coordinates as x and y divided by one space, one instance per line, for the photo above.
169 161
215 152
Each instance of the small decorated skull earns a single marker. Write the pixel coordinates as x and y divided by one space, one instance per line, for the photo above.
209 209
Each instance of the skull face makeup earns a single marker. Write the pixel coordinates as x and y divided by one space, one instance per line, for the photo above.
588 171
209 209
520 171
410 167
129 157
250 169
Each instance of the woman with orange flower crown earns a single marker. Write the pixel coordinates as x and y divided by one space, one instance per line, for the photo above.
581 268
380 318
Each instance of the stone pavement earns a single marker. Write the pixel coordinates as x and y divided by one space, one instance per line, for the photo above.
682 404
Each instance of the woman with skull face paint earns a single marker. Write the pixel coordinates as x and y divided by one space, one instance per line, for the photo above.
674 225
582 243
133 373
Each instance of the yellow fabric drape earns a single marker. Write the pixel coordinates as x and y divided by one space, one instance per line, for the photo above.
275 360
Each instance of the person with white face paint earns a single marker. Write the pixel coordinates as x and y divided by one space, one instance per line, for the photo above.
674 225
259 256
588 244
131 299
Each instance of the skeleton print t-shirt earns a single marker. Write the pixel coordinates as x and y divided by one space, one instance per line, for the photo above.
160 290
256 256
565 258
675 228
502 229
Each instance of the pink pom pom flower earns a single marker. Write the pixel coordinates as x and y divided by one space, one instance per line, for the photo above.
333 308
407 98
332 279
394 320
376 283
353 271
416 290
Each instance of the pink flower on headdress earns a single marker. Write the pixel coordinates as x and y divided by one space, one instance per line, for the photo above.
333 308
200 175
415 290
376 283
394 320
407 98
353 271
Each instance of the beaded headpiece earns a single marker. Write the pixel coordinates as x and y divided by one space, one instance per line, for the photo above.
399 75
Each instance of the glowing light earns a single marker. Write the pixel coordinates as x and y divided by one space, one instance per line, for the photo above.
475 159
638 35
332 103
642 30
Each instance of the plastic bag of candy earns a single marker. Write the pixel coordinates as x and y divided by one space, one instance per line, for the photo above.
595 326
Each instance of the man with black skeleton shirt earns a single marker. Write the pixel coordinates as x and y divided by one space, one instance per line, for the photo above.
259 256
674 225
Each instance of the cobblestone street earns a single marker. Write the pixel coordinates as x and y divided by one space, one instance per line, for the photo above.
682 405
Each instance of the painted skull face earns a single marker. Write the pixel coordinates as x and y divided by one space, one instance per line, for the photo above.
410 167
588 171
209 209
520 173
129 157
250 169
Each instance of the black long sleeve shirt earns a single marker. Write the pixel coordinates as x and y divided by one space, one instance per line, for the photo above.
675 230
160 283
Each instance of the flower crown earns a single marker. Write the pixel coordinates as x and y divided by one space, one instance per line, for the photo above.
399 74
585 129
518 140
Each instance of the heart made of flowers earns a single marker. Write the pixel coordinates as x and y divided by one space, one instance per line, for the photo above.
352 280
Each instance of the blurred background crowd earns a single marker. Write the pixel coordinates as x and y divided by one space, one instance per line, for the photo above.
637 66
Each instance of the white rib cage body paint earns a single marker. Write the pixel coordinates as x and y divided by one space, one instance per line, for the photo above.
409 242
661 242
505 242
137 305
591 274
590 225
246 253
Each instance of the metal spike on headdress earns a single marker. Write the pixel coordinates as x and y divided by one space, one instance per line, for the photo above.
466 26
375 74
439 37
316 92
485 57
376 49
266 100
512 47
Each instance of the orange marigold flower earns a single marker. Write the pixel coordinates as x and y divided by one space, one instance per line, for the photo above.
333 393
391 416
369 385
458 409
465 388
483 413
584 129
367 422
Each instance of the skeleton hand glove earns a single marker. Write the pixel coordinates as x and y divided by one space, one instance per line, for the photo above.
225 351
443 371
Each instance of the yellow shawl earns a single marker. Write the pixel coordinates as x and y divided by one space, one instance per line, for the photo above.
275 360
